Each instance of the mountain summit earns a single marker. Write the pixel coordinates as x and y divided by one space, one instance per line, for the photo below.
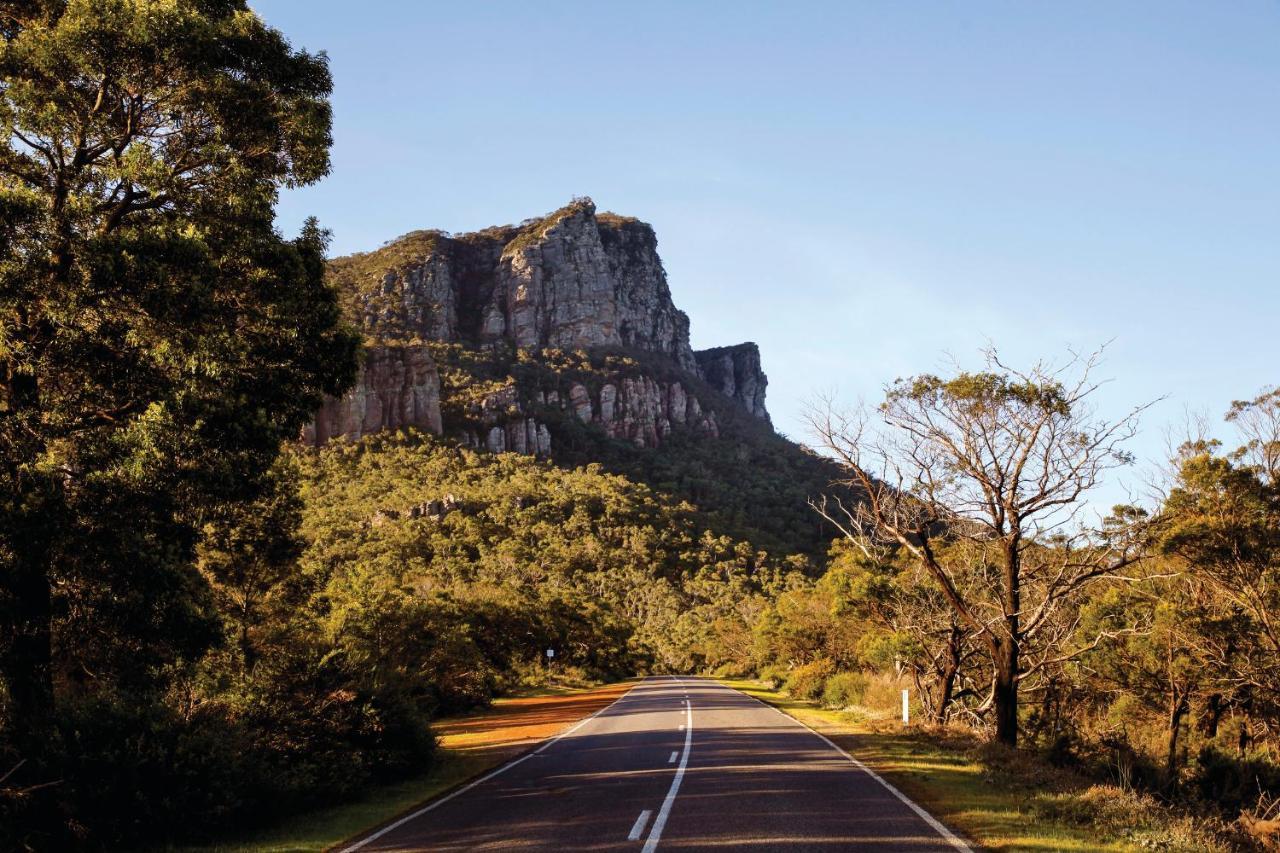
503 337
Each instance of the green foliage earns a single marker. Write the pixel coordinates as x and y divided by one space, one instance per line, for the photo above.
774 676
1234 782
844 689
158 340
982 393
808 680
609 572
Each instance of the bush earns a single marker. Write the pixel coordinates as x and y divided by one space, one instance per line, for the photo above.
1233 782
732 670
808 680
844 689
774 676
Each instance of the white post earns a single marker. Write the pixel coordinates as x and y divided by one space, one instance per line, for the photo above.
906 710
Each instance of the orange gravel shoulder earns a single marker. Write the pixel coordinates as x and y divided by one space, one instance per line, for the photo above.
510 725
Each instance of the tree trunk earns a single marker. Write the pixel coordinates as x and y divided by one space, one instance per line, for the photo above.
1213 715
947 676
1178 709
1006 648
1006 691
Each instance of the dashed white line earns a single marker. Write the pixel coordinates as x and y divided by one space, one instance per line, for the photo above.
638 827
651 843
672 759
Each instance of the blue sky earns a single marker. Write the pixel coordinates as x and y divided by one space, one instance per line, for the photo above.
859 187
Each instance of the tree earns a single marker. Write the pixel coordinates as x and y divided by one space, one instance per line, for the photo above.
1222 520
1164 642
158 337
918 632
1003 460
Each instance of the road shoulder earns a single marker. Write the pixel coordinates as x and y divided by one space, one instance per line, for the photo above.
945 782
1022 809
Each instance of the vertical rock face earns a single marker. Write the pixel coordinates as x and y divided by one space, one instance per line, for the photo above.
641 410
572 280
735 372
397 387
569 280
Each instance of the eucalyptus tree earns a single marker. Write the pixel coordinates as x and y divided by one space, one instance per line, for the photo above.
1221 521
158 336
1002 461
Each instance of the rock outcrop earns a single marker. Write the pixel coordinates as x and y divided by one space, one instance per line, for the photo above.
397 387
641 409
571 281
638 409
736 373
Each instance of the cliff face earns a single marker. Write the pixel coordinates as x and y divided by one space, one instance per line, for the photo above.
569 280
736 373
637 409
397 387
572 281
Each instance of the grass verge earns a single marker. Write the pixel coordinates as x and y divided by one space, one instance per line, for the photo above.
469 746
1000 800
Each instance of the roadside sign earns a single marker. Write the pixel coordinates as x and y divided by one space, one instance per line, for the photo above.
551 653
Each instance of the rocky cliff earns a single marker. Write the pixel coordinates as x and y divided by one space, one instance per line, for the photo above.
736 373
397 387
469 336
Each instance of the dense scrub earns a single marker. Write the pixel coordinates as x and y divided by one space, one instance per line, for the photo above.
617 577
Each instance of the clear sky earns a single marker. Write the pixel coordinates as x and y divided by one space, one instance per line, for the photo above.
859 187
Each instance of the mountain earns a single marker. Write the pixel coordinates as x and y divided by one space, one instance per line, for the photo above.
571 282
559 338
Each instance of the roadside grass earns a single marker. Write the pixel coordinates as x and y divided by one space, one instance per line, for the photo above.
469 745
999 799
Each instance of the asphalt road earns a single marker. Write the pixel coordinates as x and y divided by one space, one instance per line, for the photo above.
675 764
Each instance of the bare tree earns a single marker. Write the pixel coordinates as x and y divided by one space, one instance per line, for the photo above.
1000 460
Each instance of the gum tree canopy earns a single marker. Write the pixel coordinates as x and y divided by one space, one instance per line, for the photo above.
983 478
158 337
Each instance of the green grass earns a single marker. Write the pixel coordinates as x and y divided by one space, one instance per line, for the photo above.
998 800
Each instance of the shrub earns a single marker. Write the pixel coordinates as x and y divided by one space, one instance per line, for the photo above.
844 689
774 676
1231 781
807 681
732 670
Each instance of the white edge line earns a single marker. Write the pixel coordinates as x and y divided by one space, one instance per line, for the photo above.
953 839
485 778
638 826
660 821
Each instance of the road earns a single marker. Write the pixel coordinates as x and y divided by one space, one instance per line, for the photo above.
675 764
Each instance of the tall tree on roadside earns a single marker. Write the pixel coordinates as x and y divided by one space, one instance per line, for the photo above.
1222 519
158 337
1001 459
